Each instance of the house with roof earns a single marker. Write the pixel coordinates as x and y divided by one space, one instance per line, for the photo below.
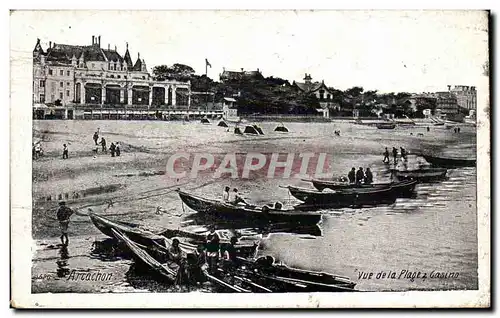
65 75
322 92
227 75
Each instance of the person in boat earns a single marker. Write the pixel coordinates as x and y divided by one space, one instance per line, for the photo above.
352 175
225 194
368 176
386 156
63 215
175 251
213 249
237 199
360 176
395 154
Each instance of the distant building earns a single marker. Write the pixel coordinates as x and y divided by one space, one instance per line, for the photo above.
226 75
446 104
466 96
65 75
229 109
318 89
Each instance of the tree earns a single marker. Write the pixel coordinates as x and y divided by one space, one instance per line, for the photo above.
177 71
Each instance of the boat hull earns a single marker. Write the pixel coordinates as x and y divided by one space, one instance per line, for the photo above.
401 189
233 212
344 198
430 175
449 162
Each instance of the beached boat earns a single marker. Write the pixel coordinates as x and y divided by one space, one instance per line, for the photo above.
205 121
157 258
343 198
313 280
386 126
281 128
229 211
137 234
449 162
145 237
402 189
421 175
222 123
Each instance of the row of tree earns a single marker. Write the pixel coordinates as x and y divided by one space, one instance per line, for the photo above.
274 95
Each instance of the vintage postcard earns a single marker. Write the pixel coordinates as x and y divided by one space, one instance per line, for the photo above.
250 159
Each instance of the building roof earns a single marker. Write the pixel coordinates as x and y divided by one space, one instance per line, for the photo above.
127 58
138 64
113 56
311 87
65 52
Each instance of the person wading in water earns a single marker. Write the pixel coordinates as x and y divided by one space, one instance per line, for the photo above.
63 215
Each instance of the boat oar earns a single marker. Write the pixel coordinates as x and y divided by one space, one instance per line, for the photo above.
234 288
248 281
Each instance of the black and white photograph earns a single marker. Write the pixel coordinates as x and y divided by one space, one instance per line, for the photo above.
318 156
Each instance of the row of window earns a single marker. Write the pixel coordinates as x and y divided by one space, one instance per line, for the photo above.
61 95
61 72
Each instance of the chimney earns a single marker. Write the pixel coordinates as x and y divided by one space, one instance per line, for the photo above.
93 40
50 44
138 55
99 40
449 87
115 48
109 47
242 69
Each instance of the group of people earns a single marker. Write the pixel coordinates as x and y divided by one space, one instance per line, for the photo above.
207 257
114 148
360 176
395 154
232 197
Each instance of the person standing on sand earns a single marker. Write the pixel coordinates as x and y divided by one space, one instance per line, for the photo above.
386 156
38 150
117 149
368 176
103 145
65 151
112 148
395 154
96 136
63 215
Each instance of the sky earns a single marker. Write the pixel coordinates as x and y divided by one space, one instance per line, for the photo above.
388 51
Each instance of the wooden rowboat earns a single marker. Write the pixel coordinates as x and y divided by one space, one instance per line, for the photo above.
421 175
402 189
260 215
386 126
343 198
449 162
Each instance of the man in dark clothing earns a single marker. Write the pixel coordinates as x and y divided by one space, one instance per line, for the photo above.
103 145
403 153
117 149
360 175
96 136
386 156
395 154
213 245
352 175
63 215
368 176
65 151
112 148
